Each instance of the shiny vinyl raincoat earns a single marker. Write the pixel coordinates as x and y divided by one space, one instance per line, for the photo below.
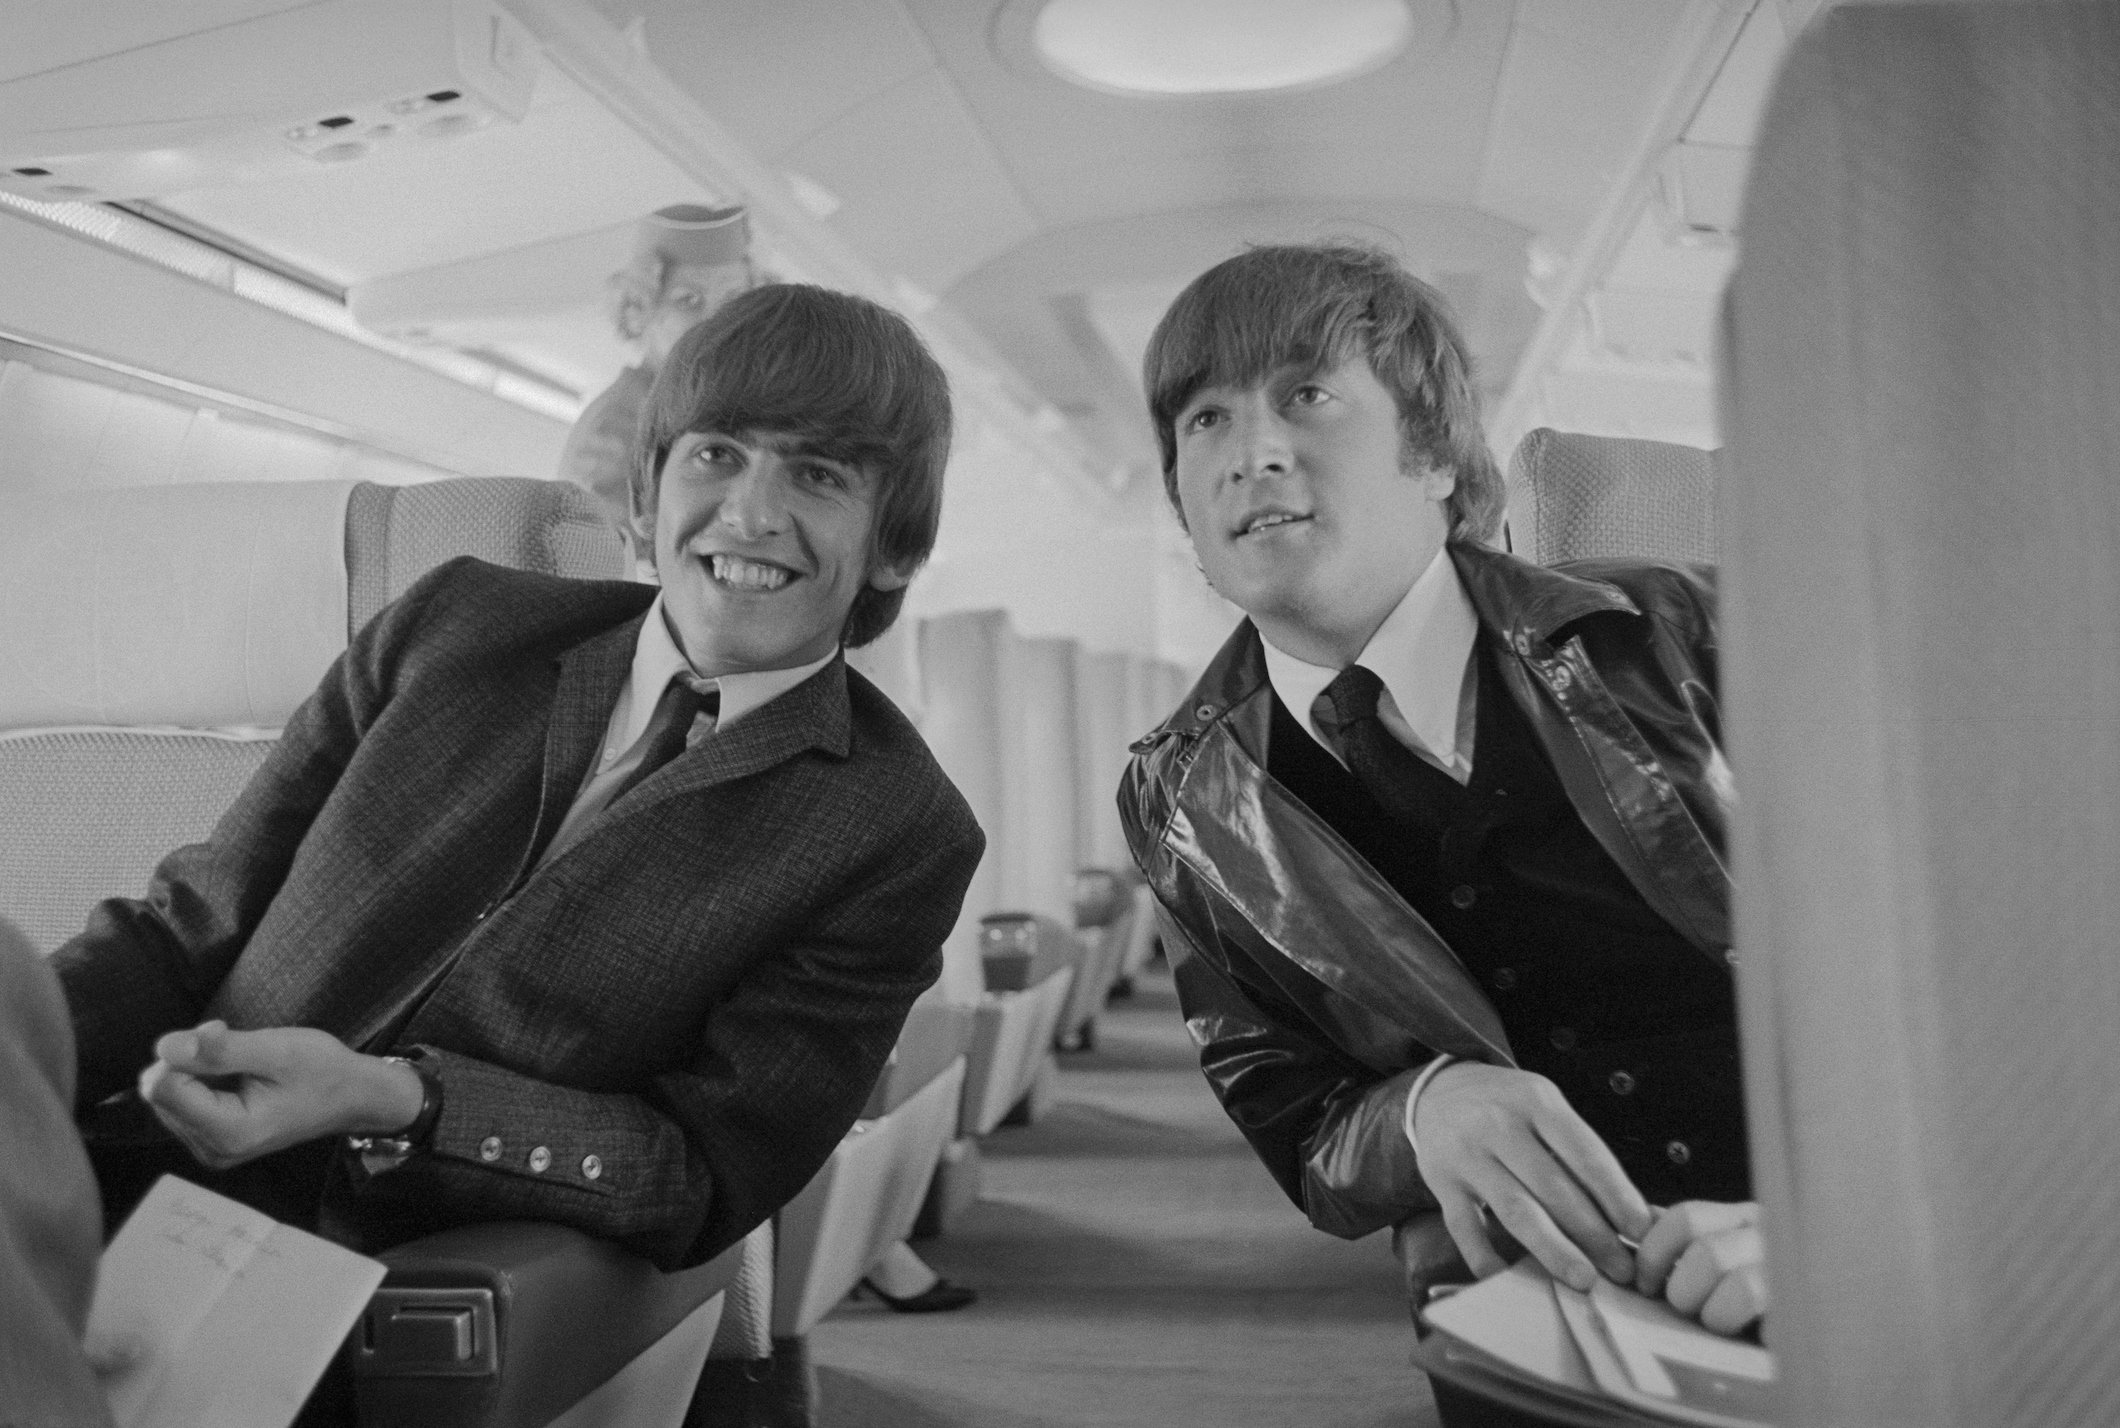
1313 989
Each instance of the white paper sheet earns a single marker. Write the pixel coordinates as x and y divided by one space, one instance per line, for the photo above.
233 1315
1512 1316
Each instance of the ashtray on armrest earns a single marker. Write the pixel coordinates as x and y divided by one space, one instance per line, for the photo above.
507 1325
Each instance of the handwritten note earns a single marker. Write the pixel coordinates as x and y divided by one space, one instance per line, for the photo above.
229 1317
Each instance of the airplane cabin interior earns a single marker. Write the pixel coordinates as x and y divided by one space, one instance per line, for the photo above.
301 300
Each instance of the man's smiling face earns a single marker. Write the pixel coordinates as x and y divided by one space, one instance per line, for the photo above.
1301 508
761 544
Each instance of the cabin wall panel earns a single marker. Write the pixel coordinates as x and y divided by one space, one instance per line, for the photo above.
78 296
61 432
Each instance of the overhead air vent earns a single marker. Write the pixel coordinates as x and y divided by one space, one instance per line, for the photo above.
324 83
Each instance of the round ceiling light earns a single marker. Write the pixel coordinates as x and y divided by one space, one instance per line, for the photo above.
1217 46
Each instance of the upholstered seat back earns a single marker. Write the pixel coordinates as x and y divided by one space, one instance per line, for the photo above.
1922 680
152 639
1573 496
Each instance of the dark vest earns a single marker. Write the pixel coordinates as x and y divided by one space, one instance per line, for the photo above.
1635 1025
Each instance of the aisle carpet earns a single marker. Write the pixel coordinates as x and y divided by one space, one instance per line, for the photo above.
1136 1266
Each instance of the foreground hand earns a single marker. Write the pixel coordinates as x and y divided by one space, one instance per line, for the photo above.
1506 1139
1707 1260
232 1096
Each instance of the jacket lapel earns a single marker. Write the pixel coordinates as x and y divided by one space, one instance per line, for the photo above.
1595 748
1309 894
813 715
590 677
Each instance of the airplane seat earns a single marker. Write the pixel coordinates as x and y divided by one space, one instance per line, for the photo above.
1101 906
152 640
869 1194
1031 964
1922 672
1140 944
1572 497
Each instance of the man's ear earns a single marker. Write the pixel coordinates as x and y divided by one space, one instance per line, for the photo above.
1437 483
640 503
889 577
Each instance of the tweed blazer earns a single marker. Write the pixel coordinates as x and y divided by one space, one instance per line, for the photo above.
656 1037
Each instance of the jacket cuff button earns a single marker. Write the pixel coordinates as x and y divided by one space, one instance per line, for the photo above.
540 1160
490 1148
1621 1082
1678 1152
592 1167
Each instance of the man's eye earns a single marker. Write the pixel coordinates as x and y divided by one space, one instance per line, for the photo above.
829 477
715 453
1308 394
1202 419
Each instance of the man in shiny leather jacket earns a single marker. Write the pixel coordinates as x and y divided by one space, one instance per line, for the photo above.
1438 836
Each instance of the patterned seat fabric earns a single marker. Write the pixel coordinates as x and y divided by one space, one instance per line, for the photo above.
87 811
1573 497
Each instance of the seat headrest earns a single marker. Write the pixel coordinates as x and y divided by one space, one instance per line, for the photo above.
211 605
200 604
1572 497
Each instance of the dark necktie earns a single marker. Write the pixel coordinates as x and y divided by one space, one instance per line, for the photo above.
669 728
1391 772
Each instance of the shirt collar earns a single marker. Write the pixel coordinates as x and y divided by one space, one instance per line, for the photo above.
657 660
1419 652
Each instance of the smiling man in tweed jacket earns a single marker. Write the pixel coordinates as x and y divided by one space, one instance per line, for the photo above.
577 901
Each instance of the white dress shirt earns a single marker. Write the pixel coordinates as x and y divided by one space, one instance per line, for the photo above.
1430 700
657 660
1423 654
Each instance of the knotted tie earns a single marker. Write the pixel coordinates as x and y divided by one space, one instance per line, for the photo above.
670 728
1346 713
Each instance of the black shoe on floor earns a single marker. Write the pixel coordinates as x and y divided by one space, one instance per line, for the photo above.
939 1297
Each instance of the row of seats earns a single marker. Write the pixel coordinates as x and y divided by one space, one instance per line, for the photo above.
1034 732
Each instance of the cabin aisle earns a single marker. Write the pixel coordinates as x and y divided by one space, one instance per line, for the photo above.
1136 1266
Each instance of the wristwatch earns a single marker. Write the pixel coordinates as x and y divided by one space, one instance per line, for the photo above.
379 1153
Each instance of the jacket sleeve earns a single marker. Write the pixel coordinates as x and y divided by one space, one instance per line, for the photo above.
683 1167
1329 1129
147 965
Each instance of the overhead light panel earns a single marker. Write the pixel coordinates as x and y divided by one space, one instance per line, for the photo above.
264 98
1176 47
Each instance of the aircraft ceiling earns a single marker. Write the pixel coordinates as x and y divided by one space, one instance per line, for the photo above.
1053 220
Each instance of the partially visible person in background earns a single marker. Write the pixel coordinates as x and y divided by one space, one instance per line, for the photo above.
688 259
51 1217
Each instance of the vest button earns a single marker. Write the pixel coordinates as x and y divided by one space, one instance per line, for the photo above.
1205 711
1463 896
1504 979
490 1148
540 1160
1563 1038
1561 677
1678 1152
1621 1082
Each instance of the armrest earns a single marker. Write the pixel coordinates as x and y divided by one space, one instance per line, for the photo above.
1429 1257
506 1325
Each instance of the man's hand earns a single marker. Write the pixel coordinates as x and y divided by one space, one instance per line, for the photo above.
232 1096
1706 1259
1507 1140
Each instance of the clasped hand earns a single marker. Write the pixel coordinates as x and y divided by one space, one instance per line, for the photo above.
232 1096
1506 1140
